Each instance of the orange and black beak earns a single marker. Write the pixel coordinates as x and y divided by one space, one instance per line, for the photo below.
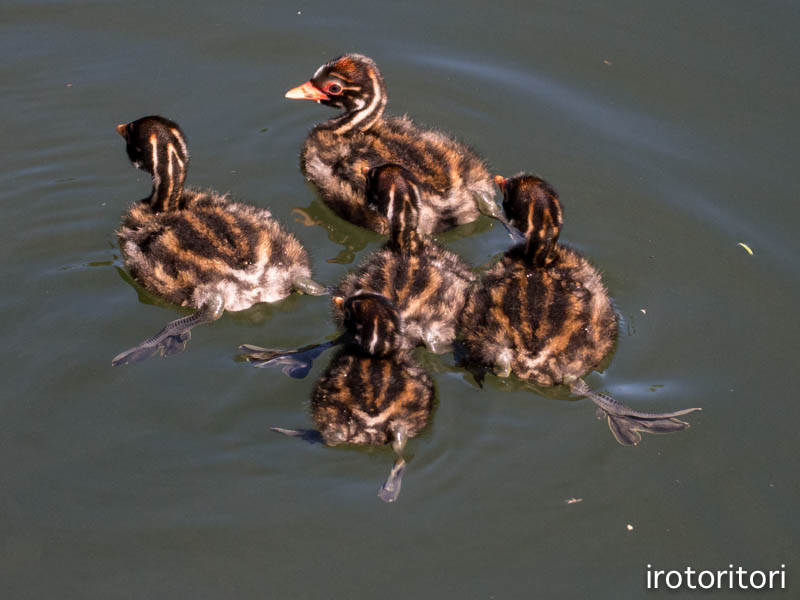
307 91
122 129
338 301
501 182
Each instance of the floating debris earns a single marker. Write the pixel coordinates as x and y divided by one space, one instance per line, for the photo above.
644 312
746 247
629 527
573 500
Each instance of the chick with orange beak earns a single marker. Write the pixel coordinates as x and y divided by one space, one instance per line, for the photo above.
455 185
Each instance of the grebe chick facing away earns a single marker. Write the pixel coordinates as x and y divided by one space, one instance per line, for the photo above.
454 184
543 313
426 283
197 247
373 392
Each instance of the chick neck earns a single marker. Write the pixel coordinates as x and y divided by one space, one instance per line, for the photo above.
541 237
404 222
170 162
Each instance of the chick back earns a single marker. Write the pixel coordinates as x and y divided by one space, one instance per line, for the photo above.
450 174
360 398
552 323
429 288
211 246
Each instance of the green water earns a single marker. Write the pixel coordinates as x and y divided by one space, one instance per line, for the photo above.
670 131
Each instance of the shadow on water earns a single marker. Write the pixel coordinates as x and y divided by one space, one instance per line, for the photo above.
354 238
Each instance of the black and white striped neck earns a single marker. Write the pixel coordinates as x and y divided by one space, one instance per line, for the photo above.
157 145
170 160
403 217
531 204
543 227
539 252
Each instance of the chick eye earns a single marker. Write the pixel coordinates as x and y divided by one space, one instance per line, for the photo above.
348 315
333 88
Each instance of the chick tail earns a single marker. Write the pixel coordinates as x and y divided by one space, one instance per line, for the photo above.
296 363
626 423
173 338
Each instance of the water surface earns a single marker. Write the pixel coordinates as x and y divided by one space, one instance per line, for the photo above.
669 131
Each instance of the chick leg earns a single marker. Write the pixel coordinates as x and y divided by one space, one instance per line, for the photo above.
433 342
391 488
626 423
502 366
173 338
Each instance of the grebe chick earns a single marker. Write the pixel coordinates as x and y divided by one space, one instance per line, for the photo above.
373 392
454 184
426 283
543 313
196 247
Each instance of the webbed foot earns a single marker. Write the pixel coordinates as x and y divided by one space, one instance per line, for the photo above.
173 338
311 436
626 429
627 424
297 363
162 343
391 488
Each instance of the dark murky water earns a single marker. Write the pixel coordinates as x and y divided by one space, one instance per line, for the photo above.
669 130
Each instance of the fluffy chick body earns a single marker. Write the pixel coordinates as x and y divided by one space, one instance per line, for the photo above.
452 178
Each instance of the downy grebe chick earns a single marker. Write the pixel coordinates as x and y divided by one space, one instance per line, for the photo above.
373 392
543 313
454 184
196 247
426 283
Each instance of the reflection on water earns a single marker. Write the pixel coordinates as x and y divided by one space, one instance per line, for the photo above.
339 231
354 238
